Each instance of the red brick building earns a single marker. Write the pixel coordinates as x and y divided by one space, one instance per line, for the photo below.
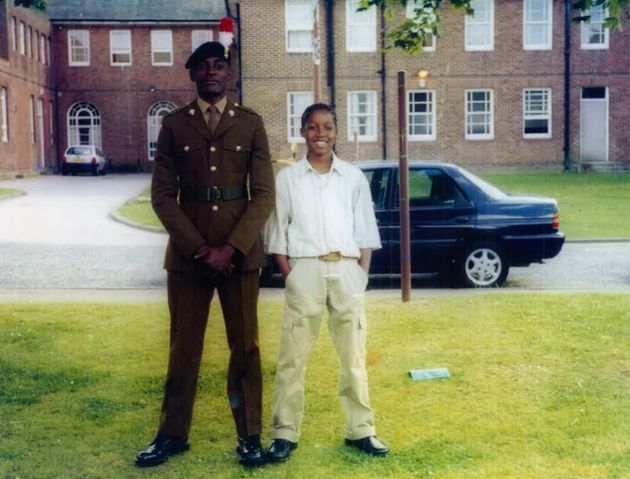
493 96
27 109
120 68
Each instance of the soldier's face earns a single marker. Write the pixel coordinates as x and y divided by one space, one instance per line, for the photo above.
211 76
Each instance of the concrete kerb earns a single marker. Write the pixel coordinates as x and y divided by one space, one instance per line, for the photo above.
121 219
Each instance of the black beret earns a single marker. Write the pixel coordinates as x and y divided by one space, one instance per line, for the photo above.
208 50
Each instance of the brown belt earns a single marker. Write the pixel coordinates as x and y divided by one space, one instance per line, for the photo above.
334 256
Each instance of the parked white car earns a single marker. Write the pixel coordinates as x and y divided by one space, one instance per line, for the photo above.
83 159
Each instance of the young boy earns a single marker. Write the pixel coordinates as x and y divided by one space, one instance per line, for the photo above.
322 234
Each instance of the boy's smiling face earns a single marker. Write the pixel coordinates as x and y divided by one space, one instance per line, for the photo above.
319 133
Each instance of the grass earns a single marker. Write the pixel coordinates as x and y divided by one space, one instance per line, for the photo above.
8 192
592 206
539 388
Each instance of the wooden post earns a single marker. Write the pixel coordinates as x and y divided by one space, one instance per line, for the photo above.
403 175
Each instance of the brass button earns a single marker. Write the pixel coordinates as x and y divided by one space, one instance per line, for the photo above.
238 147
213 148
213 168
186 148
215 208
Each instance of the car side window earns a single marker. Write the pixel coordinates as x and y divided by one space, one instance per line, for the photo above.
431 187
377 179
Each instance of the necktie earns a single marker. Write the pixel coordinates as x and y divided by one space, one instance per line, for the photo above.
213 118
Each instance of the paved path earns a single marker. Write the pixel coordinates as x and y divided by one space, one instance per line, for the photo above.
58 243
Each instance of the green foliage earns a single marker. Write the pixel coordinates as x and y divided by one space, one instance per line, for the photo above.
36 4
538 389
411 34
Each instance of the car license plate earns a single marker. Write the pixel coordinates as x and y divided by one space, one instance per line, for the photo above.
78 159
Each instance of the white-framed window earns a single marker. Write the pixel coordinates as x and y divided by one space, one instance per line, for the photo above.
156 113
298 25
479 115
29 42
161 47
421 115
479 34
297 101
14 41
360 28
198 37
48 55
120 47
537 24
78 48
537 113
362 115
51 119
22 38
84 125
429 43
31 106
594 34
4 111
39 53
42 48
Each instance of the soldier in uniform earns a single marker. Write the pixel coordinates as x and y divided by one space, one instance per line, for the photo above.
213 189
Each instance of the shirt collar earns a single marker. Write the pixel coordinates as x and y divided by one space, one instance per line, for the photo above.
338 165
221 104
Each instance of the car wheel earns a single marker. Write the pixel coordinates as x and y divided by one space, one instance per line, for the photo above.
483 265
95 171
64 171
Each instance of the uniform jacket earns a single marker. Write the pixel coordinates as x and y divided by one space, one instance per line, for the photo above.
189 156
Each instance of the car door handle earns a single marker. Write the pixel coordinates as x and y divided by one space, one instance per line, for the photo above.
461 219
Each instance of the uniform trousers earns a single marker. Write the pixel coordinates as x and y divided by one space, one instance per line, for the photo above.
189 297
312 285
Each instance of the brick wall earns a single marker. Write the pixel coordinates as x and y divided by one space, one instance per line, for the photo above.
25 76
123 95
269 72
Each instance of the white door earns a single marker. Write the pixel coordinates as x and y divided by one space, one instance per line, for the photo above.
594 124
40 132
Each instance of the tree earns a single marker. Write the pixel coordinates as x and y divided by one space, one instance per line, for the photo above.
412 33
37 4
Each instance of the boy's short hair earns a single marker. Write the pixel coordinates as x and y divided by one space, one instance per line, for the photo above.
317 107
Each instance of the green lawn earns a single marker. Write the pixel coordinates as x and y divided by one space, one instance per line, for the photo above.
591 205
539 388
7 192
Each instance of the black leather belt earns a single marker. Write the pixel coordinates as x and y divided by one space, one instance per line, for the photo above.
213 194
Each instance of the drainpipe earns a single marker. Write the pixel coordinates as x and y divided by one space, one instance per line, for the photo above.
330 52
567 86
383 79
239 82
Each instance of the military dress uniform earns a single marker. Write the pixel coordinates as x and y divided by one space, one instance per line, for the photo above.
213 188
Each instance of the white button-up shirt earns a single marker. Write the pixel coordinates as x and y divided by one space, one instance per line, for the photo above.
317 214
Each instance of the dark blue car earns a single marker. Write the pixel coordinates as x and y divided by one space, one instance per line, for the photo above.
462 227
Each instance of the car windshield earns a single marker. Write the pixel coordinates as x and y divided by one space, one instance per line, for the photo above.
80 150
486 187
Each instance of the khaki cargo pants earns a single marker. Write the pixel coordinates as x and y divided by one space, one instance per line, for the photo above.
312 285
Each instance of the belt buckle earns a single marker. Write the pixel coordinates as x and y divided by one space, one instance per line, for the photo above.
216 193
332 256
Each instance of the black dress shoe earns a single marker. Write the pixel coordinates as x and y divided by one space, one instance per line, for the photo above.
250 451
160 449
280 450
370 445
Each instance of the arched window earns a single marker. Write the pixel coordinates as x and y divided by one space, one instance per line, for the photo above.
84 125
154 123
